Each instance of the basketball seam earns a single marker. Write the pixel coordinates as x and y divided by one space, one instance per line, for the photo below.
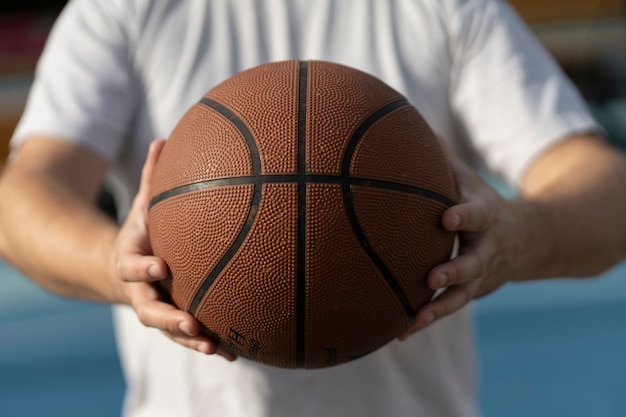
308 178
348 200
254 203
302 204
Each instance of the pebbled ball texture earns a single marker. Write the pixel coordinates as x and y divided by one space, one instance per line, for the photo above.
298 207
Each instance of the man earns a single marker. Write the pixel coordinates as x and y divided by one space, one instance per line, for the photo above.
115 75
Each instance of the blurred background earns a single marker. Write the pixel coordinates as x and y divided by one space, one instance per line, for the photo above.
545 349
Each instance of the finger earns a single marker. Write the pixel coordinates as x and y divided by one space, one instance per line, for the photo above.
226 354
132 262
143 196
178 325
148 167
139 207
450 301
202 344
471 216
460 270
415 327
135 267
153 312
166 317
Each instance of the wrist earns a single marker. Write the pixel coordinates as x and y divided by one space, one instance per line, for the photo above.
536 240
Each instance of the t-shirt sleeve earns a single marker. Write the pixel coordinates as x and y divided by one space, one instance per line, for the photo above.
84 90
512 99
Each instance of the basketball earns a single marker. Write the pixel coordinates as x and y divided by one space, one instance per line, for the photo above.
298 207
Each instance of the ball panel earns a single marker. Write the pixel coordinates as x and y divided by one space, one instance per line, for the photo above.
203 146
266 99
416 157
339 100
192 238
350 309
405 231
254 296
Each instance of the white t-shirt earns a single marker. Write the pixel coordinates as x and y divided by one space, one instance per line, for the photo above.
117 74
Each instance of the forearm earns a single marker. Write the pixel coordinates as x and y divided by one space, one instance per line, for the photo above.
575 200
57 238
49 227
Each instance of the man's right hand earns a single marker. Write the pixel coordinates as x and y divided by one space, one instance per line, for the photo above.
137 270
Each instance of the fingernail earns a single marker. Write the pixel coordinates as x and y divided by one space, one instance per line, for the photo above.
186 328
154 271
442 281
456 221
203 348
429 319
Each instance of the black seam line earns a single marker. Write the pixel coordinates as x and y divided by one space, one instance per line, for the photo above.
228 256
242 127
302 198
348 200
308 178
254 203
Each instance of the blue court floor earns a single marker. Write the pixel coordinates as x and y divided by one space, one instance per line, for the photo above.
546 349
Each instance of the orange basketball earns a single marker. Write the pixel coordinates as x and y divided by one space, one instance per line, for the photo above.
298 207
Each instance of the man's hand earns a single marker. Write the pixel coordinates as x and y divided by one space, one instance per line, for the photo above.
485 223
555 228
137 270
